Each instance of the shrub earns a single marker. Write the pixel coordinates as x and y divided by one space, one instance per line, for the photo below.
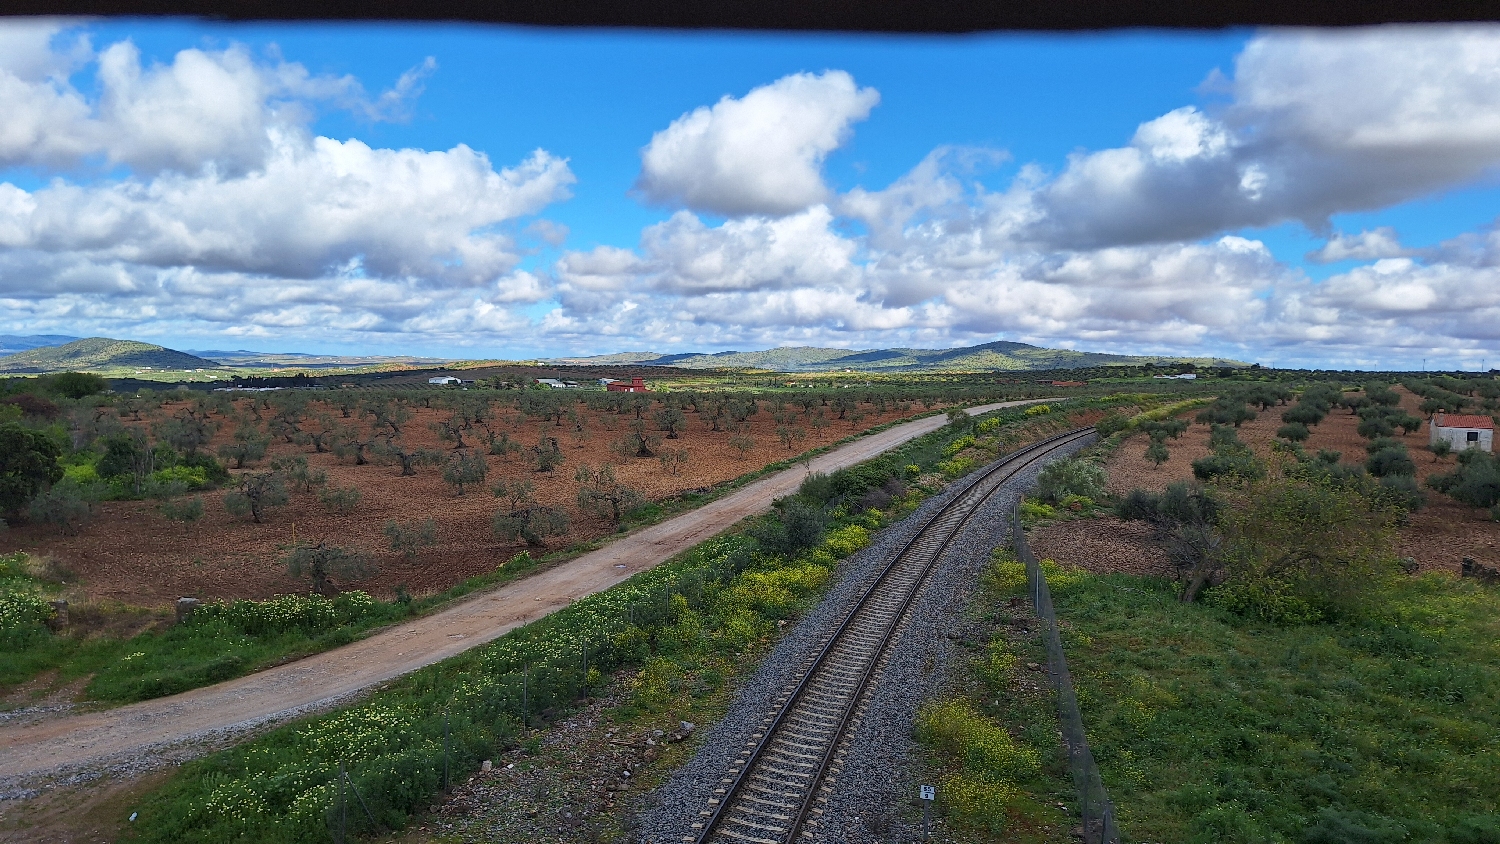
1475 481
1293 432
1035 510
1298 552
1390 461
1304 414
1233 464
1070 476
1038 410
341 500
798 526
410 538
76 385
65 506
846 540
186 510
321 563
1110 425
1375 426
991 756
1138 505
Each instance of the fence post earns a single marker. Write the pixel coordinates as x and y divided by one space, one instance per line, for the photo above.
525 694
445 751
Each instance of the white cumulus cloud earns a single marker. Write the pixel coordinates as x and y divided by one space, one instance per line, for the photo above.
759 154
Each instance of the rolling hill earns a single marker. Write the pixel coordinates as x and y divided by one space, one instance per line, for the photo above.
94 354
1000 356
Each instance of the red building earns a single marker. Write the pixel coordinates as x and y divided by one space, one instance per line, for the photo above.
636 385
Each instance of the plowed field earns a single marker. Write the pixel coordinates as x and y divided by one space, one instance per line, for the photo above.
129 552
1438 536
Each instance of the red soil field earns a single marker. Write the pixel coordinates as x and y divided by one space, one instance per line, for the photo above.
130 553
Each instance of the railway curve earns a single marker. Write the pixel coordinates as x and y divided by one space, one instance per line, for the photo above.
773 790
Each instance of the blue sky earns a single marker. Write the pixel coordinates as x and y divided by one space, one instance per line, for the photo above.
487 191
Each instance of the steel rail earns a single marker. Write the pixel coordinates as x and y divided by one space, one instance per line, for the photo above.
964 506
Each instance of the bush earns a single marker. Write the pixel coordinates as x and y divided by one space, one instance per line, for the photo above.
1032 511
341 500
76 385
1293 432
65 506
410 538
1475 481
1375 426
797 527
1401 491
1070 476
1229 464
1138 505
1304 414
1110 425
1299 552
1390 461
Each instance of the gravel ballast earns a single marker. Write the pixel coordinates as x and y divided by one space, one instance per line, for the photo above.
875 779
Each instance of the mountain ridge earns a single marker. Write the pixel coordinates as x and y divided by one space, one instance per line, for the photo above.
996 356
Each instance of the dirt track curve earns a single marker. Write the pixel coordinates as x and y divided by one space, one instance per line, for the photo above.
321 681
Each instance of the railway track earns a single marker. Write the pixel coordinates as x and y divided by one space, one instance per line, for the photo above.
772 792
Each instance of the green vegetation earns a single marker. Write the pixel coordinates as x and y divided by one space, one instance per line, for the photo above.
28 465
993 742
218 641
1213 727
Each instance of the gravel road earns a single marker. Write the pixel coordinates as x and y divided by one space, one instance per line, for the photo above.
143 735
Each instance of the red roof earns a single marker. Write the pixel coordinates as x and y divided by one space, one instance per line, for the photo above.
1457 420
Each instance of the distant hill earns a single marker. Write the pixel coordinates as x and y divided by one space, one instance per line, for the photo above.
1000 356
100 353
12 343
303 360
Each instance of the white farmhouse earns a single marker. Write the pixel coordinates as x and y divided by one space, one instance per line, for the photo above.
1462 431
444 380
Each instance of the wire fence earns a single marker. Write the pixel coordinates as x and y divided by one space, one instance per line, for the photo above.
1093 801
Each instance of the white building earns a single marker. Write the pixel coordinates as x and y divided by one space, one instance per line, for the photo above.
444 380
1463 431
558 385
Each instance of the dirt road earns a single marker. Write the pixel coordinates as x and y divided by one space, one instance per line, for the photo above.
209 715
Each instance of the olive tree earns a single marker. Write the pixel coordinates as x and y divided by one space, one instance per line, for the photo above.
321 563
256 494
409 538
601 494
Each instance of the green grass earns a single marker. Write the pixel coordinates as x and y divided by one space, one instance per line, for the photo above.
1211 728
992 743
219 642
